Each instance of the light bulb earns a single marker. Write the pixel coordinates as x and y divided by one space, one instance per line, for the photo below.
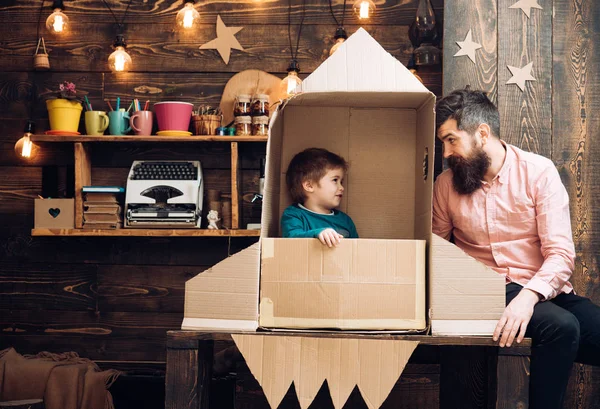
290 83
364 8
119 60
340 37
57 22
25 148
187 15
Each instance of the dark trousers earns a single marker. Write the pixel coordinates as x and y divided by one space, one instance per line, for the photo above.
563 330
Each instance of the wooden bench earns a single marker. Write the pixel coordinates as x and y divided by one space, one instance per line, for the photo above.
504 383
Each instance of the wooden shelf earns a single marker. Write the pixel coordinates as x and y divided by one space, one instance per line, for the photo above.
146 233
82 148
151 138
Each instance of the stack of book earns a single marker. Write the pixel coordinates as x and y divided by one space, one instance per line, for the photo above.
102 207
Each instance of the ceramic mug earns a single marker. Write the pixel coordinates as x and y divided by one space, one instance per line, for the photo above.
96 122
141 122
118 123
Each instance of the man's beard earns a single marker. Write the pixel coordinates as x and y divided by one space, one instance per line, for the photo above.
468 173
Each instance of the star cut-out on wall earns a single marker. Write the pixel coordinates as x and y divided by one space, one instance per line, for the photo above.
521 75
225 40
468 47
526 6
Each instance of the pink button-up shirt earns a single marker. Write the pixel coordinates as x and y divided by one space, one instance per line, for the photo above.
518 224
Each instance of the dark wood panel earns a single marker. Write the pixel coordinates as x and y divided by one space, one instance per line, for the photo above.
114 336
144 288
525 116
577 131
48 154
156 48
42 286
233 12
18 187
481 17
18 245
467 391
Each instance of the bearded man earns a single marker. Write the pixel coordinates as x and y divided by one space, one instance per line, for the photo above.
508 209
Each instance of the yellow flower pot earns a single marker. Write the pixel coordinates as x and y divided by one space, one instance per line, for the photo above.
64 114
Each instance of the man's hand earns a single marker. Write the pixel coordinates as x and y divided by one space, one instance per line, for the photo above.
330 237
516 318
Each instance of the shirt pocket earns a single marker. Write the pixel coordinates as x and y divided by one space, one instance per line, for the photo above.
520 224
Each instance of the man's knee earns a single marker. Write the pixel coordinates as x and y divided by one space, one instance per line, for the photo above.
565 330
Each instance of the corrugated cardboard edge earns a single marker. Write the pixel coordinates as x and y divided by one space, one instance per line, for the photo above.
374 365
466 296
235 272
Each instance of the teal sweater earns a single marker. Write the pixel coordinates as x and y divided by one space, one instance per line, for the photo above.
298 222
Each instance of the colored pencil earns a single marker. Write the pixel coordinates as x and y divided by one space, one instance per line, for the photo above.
109 105
118 103
146 105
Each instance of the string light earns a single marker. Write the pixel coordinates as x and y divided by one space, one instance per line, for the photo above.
187 15
25 148
119 60
364 8
340 34
289 85
58 21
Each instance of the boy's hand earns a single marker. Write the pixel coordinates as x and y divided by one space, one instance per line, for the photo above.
330 237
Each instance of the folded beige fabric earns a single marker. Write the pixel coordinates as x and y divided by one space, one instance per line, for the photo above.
64 381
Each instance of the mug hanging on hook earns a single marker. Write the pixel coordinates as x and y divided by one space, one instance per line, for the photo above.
40 59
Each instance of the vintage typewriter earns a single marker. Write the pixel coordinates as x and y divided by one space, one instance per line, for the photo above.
164 194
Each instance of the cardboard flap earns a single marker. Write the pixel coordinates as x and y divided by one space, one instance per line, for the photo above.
374 365
362 64
226 295
458 283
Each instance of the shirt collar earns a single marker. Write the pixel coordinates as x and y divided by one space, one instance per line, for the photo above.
508 160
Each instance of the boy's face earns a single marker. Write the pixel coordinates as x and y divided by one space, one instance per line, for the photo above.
327 193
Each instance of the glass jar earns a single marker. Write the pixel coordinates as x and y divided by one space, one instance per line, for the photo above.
242 106
260 105
243 125
260 125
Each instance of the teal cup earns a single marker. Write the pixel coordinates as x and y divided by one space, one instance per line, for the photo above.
118 123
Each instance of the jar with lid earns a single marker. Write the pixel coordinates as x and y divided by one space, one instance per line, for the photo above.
260 125
243 125
260 105
242 106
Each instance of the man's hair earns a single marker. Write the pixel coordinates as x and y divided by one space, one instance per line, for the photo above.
310 164
470 109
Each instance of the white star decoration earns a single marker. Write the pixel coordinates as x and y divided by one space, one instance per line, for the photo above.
521 75
468 47
526 6
225 40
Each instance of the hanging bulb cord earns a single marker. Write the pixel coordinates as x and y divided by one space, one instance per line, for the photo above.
295 56
333 15
119 25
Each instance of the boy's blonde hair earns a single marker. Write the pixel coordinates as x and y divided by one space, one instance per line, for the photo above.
310 165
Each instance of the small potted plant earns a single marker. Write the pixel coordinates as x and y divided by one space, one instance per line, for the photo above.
64 108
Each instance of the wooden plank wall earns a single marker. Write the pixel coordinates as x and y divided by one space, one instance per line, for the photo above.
113 299
553 117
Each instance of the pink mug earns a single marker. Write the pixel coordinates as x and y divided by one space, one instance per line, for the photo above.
141 122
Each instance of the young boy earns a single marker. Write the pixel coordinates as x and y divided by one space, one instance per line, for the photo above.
314 179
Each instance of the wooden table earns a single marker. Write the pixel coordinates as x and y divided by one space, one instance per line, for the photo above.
190 359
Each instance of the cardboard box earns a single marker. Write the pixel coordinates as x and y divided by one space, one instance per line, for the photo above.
366 106
361 284
54 214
